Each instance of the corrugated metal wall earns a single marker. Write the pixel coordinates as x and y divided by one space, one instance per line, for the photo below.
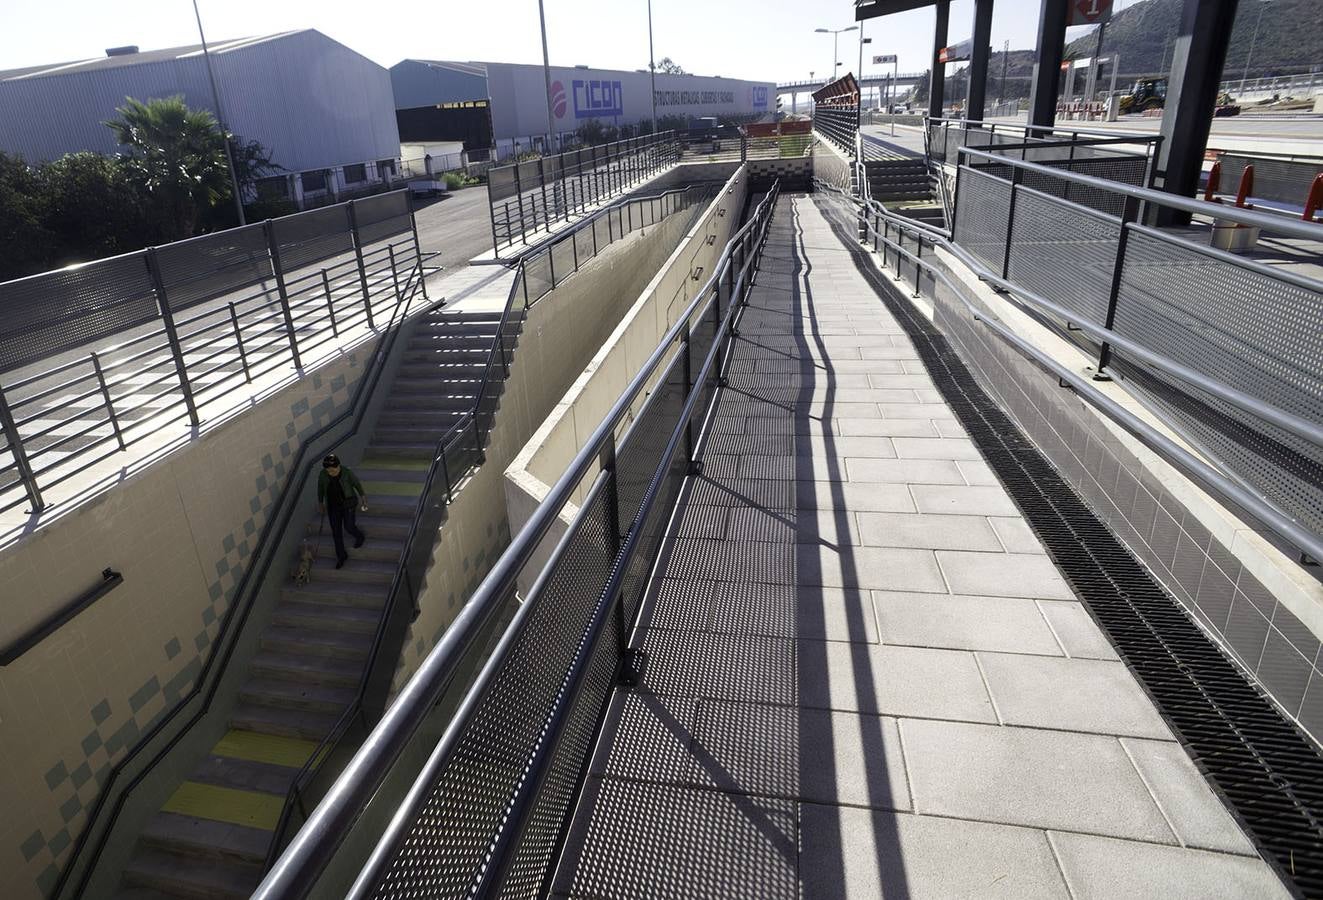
417 83
311 101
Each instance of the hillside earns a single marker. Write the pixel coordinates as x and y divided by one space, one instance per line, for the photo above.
1290 38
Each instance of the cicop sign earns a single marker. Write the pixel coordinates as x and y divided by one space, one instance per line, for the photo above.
885 60
1090 12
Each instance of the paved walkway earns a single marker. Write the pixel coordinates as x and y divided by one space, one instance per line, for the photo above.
866 678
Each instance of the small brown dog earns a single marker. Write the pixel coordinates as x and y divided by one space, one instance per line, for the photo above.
303 574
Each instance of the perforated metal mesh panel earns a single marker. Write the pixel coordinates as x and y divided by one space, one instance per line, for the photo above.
1274 179
214 265
1241 328
1064 253
445 848
982 205
58 311
381 217
313 236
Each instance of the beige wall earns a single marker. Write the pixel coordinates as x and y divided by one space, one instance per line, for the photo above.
542 461
561 333
181 531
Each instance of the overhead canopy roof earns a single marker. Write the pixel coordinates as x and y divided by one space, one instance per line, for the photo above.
871 9
844 91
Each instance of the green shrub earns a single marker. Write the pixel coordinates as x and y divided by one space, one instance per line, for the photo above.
453 180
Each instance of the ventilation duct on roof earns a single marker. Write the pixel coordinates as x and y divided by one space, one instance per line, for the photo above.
126 50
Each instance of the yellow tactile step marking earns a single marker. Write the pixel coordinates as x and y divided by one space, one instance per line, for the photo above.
265 748
395 462
221 804
395 489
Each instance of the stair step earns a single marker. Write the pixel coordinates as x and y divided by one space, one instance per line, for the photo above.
404 450
380 549
190 836
315 670
446 405
296 695
243 775
309 642
421 433
410 403
441 376
326 616
300 723
189 876
371 576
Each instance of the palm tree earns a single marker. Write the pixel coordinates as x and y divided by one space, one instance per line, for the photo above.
176 156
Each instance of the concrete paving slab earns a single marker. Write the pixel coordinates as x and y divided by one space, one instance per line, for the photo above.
998 624
847 852
1015 534
883 568
1099 868
1002 574
1193 810
888 427
894 681
1073 694
1031 777
1079 635
862 496
924 530
935 448
905 471
966 499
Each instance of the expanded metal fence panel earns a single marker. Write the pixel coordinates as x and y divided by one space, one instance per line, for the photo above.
982 208
447 845
48 314
1063 253
838 123
214 265
381 217
313 236
1246 330
1285 181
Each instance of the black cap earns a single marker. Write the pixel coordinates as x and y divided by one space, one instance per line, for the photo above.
330 461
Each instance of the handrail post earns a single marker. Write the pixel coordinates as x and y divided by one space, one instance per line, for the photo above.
519 201
417 248
362 269
1017 176
105 393
20 455
686 338
1129 213
171 333
280 285
548 213
238 342
330 306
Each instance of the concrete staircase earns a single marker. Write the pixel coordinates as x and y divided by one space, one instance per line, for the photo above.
210 839
905 187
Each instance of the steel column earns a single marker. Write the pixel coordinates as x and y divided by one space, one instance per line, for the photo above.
1052 18
1129 213
1196 71
172 334
978 64
937 76
358 257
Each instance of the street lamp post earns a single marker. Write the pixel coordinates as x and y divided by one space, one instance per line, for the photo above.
652 67
220 119
835 45
546 75
1249 56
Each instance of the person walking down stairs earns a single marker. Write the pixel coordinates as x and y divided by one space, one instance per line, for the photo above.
339 492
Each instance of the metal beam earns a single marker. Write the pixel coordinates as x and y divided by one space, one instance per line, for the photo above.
1196 72
978 64
937 79
875 8
1047 63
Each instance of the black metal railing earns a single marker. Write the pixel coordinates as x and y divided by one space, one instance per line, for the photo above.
100 356
487 802
532 196
838 124
1207 339
943 139
457 451
110 579
170 728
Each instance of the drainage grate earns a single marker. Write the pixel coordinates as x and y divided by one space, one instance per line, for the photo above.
1266 770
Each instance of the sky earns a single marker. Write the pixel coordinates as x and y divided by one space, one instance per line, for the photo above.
770 40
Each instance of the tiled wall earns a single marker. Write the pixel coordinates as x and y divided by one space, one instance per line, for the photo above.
1138 505
181 531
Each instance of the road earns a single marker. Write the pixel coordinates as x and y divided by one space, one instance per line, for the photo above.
457 224
1302 135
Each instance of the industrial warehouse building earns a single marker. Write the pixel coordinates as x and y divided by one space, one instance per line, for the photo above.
502 105
324 112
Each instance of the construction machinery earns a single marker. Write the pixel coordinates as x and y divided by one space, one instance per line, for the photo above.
1145 94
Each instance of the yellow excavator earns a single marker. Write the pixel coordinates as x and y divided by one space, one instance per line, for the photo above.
1151 93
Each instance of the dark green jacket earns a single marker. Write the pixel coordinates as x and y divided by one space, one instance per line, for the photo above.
349 485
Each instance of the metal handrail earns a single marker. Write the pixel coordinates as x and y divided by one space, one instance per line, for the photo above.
1247 498
1136 137
240 609
475 419
1276 224
110 579
296 871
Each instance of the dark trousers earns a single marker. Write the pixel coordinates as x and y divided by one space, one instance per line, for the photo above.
342 520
